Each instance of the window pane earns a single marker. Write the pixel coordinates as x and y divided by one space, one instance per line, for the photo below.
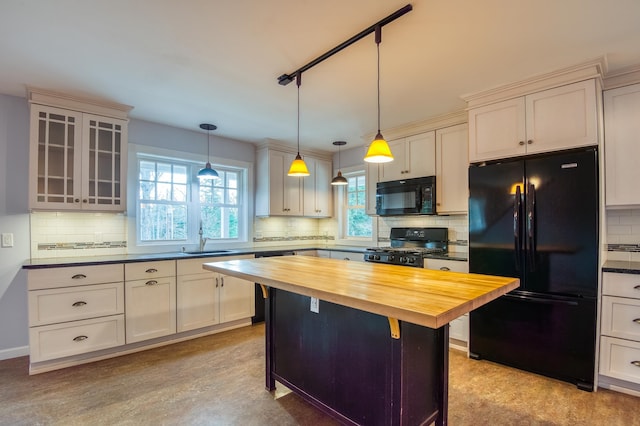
232 180
164 191
164 172
359 224
162 222
147 191
179 192
147 170
180 174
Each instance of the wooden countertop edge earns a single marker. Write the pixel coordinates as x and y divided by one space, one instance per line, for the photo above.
414 317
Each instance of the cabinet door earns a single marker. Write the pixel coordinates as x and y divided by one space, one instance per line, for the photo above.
497 130
420 151
150 308
317 188
104 163
561 118
398 168
285 192
55 158
197 301
452 165
236 298
622 145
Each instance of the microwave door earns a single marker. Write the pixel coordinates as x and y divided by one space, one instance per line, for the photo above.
397 200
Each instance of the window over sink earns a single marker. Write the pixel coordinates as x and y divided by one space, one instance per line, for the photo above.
172 203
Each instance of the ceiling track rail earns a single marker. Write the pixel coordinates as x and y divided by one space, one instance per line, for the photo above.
285 79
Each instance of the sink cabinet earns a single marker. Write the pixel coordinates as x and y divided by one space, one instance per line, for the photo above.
78 159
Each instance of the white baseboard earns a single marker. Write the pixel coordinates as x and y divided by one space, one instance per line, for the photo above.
14 352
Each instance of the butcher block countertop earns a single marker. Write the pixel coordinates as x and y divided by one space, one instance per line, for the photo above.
420 296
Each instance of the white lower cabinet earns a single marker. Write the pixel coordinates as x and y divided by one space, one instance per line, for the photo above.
206 298
620 329
150 307
74 310
459 327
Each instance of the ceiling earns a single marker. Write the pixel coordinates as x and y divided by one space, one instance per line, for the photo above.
185 62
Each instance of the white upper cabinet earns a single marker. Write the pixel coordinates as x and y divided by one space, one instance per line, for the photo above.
414 156
78 159
317 188
452 187
560 118
622 146
276 193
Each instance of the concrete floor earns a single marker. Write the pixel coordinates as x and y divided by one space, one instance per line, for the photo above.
219 380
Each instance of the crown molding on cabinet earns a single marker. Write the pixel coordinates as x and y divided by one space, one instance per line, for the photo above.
283 147
594 68
423 126
622 77
93 106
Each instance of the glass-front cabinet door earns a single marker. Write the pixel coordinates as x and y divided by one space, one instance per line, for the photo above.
77 160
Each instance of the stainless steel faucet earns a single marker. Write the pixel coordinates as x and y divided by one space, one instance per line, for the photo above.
203 240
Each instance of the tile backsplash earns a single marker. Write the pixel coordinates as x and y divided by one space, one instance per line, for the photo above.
623 234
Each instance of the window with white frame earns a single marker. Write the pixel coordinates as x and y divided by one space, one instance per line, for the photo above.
173 203
356 223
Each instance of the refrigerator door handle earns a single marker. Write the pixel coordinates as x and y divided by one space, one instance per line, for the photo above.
540 300
531 223
517 207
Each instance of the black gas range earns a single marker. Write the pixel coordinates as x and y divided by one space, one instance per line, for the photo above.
409 246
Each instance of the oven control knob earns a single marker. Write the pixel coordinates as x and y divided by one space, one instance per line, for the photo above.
377 257
411 260
391 258
403 259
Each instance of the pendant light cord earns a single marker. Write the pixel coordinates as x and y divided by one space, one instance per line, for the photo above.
378 48
298 82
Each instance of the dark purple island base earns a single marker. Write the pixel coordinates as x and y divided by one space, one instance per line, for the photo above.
345 362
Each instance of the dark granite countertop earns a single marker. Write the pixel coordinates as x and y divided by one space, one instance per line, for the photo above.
261 251
621 267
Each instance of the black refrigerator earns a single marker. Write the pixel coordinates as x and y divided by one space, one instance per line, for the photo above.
536 218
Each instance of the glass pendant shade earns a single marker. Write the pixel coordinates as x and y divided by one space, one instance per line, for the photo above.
298 167
339 179
207 172
379 151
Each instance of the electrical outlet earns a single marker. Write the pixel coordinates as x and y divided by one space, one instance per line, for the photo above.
7 240
315 305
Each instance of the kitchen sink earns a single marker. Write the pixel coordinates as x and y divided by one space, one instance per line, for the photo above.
208 252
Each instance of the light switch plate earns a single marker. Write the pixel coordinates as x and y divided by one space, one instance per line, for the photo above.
7 240
315 305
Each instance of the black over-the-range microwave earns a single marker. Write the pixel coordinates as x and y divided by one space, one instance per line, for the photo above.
407 196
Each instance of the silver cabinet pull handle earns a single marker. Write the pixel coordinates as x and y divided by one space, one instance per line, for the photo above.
521 143
151 270
221 281
637 320
216 282
529 141
636 363
78 304
80 338
78 277
637 287
152 282
444 268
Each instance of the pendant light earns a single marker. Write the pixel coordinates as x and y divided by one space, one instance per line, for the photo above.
379 151
339 179
208 172
298 166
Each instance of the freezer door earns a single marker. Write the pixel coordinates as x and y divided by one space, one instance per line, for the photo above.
561 224
552 337
496 202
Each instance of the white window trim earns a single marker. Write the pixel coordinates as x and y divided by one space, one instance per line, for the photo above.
135 246
340 210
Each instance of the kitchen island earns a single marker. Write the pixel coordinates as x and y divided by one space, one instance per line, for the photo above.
365 342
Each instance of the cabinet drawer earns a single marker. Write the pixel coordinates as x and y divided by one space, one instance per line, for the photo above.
73 276
194 266
146 270
77 337
622 285
621 317
446 265
620 359
74 303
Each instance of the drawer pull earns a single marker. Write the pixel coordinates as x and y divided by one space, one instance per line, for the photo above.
151 270
83 276
636 363
216 283
444 268
221 281
637 287
637 320
80 338
152 282
78 304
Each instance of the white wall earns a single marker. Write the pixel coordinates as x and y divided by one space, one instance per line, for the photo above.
14 218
